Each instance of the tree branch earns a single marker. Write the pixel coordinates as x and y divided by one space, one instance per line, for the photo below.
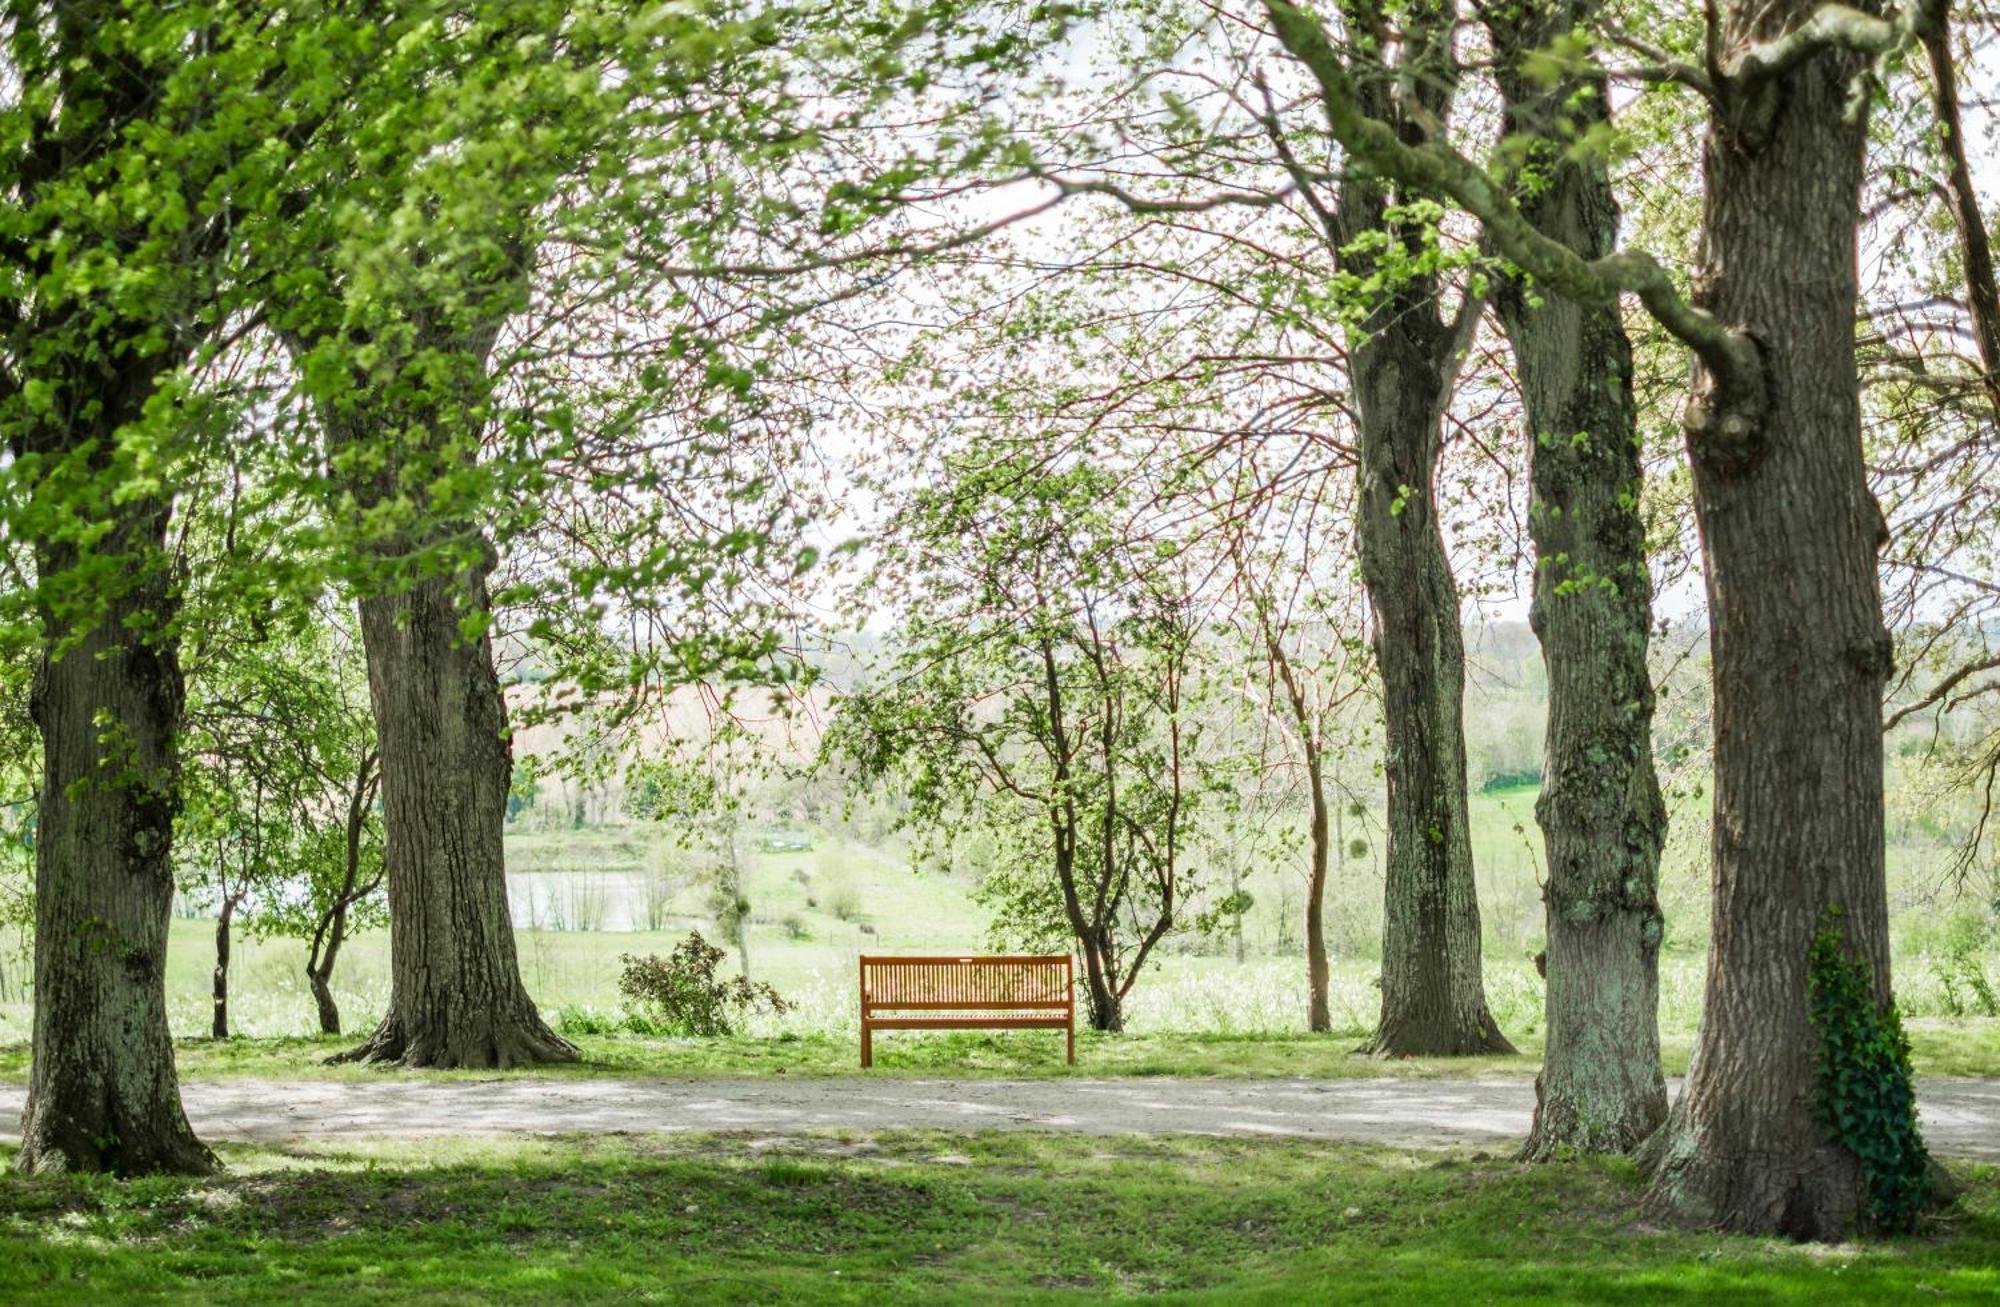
1834 27
1730 356
1937 693
1975 246
1662 68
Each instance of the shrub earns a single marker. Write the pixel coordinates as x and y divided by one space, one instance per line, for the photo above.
795 927
683 995
843 900
571 1019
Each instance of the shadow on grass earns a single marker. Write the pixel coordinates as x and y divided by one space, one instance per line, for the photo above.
910 1217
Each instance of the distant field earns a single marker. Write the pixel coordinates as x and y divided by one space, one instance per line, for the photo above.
582 898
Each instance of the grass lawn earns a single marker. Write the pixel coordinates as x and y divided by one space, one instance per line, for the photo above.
925 1218
1965 1047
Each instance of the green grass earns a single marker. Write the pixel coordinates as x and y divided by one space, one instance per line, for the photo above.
926 1218
1969 1047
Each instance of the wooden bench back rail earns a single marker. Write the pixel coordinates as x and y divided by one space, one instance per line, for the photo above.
1012 992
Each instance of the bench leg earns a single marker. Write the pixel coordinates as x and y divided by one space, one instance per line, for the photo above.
867 1046
1070 1030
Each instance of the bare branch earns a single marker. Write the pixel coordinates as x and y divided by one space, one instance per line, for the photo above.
1661 68
1975 245
1939 692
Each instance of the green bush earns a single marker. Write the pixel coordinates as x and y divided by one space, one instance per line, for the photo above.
682 995
843 900
572 1019
1524 778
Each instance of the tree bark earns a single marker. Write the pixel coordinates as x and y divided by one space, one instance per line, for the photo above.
1319 1012
320 976
324 949
1602 818
1103 1010
1433 993
102 1090
456 997
446 758
1402 364
218 1027
1790 536
1975 245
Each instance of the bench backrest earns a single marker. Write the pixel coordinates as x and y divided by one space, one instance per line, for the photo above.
1014 981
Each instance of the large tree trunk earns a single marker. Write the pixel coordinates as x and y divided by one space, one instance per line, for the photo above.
456 997
102 1092
1602 818
1790 535
1402 363
1433 995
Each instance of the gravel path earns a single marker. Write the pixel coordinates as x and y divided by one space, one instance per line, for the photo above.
1961 1117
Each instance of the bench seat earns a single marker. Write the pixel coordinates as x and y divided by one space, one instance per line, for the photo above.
1005 992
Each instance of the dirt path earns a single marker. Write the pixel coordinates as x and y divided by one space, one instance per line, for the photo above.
1961 1117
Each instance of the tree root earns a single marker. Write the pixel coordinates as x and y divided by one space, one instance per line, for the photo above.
491 1042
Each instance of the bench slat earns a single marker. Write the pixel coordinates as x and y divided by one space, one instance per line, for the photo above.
971 1023
966 1005
1021 991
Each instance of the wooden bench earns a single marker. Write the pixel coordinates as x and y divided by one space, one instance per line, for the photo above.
1011 992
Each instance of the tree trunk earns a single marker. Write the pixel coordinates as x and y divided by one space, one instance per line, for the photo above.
1603 821
322 992
1433 995
1975 245
102 1091
219 1019
332 933
1319 1017
456 997
319 969
1790 535
1319 1014
1236 918
1402 363
1100 981
1107 1008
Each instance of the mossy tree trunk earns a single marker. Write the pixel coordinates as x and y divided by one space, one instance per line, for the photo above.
1433 993
1602 818
90 432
